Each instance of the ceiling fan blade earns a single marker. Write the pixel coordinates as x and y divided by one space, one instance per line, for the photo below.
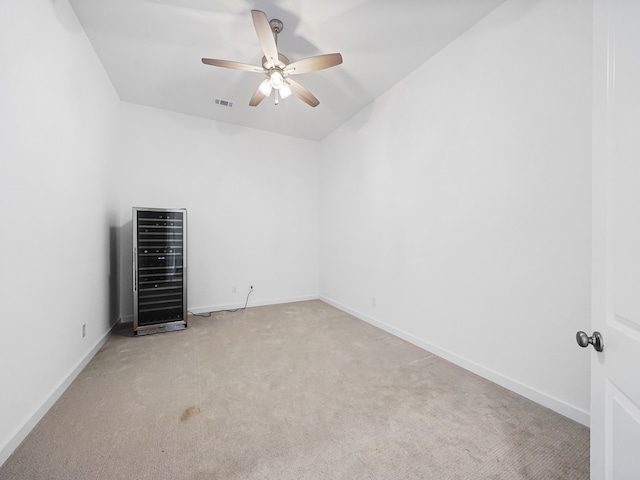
257 97
302 93
312 64
265 35
235 65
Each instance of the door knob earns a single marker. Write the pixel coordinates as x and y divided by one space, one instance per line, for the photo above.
596 340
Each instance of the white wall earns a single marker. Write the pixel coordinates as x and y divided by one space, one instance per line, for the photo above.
461 201
252 203
57 191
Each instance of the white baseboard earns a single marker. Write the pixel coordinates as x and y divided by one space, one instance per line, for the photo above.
233 306
526 391
24 430
259 303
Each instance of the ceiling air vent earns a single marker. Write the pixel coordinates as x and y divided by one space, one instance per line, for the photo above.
224 103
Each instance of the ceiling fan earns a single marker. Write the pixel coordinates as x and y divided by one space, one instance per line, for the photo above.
276 66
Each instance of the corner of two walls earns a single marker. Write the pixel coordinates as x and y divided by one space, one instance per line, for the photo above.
455 210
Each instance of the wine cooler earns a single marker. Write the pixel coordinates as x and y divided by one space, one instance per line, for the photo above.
159 270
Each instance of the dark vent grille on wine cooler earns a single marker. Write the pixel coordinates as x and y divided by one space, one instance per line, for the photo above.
160 270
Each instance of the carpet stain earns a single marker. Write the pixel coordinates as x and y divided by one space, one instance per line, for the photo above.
189 412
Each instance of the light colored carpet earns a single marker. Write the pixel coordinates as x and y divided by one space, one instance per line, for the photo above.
295 391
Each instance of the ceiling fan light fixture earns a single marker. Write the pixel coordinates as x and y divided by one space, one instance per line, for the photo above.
265 87
285 91
276 78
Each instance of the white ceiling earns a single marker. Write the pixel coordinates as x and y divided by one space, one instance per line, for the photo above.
151 50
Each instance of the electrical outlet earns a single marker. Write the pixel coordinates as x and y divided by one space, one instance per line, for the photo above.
373 301
234 289
84 330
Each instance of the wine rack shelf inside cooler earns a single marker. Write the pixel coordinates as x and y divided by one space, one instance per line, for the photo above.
160 288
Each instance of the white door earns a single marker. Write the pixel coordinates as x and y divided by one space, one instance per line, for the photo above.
615 372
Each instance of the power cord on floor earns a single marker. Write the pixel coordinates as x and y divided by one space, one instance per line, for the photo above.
208 314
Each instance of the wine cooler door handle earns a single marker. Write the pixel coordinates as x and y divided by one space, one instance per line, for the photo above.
135 269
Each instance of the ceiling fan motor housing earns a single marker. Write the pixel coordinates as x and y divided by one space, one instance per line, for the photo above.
276 25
